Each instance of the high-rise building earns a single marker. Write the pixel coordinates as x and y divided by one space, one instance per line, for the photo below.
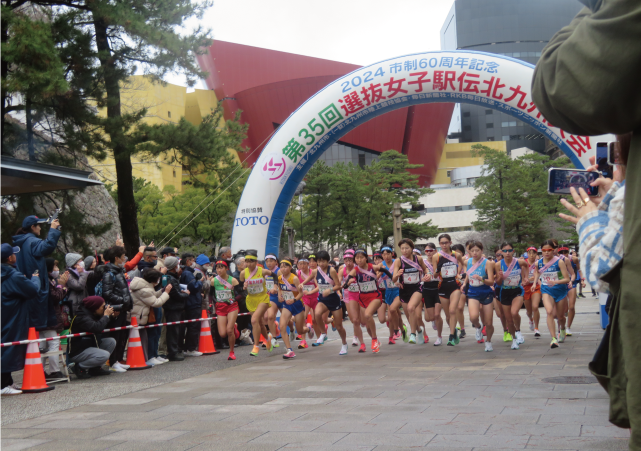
516 28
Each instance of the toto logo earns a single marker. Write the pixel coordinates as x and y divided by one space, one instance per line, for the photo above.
252 220
273 169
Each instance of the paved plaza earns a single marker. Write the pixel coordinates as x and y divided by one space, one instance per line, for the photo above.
406 397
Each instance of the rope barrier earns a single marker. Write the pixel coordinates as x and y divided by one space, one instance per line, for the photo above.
114 329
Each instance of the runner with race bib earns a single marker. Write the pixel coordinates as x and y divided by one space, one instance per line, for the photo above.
225 290
480 278
290 294
511 272
532 299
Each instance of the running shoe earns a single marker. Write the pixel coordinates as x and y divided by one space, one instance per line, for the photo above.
376 346
479 335
507 336
355 341
488 347
581 296
537 334
562 335
568 332
319 342
362 348
463 334
392 340
299 337
263 344
406 336
412 339
270 348
531 325
434 325
303 344
515 344
484 334
310 332
438 341
456 338
420 330
254 352
343 350
397 335
275 343
451 341
333 328
426 339
232 356
519 338
324 338
289 355
554 344
292 335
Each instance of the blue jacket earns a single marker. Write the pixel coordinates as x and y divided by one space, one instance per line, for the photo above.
195 288
32 255
18 293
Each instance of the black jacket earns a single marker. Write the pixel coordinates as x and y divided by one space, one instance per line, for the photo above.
177 298
115 290
86 321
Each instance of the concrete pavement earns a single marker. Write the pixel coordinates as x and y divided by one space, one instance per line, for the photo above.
406 397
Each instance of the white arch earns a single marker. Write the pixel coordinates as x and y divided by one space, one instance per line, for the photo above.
493 81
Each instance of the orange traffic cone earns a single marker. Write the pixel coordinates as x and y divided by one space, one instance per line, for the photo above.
206 343
33 380
135 354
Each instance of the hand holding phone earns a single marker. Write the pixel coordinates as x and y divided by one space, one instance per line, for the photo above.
560 181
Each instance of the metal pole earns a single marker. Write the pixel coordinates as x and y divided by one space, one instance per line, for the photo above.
290 239
398 221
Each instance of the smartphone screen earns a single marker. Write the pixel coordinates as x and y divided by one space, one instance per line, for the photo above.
602 160
561 180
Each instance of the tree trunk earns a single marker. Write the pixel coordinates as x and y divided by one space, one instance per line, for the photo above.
114 128
5 72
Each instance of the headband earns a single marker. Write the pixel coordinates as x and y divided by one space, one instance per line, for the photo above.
387 248
532 249
564 249
418 251
286 261
303 260
361 251
312 256
220 262
271 256
376 254
251 257
348 256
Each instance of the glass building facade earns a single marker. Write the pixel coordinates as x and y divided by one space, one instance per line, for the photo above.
516 28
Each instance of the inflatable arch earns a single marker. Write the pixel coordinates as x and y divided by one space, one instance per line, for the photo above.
490 80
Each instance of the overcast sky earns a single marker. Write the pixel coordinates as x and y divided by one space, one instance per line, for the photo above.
351 31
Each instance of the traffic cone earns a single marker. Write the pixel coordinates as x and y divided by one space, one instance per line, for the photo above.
206 343
33 379
135 354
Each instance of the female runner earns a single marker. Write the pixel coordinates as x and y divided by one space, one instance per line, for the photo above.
430 295
447 264
383 311
271 262
253 278
460 310
226 305
572 290
532 299
290 294
392 298
554 277
510 272
310 299
350 297
413 271
326 279
480 277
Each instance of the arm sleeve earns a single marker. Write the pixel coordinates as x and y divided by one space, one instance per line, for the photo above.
600 239
587 80
44 248
27 288
133 263
78 284
109 290
96 326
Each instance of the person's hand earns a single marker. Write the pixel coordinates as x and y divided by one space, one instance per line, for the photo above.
163 270
151 244
533 289
245 285
603 183
62 280
301 287
141 249
583 284
290 301
400 272
274 291
168 288
109 310
55 224
126 275
186 291
119 242
477 277
585 207
116 313
427 277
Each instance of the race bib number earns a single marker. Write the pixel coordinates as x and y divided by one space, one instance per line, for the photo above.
324 286
255 286
513 281
223 295
548 277
288 296
411 278
367 287
447 272
476 282
382 283
353 288
308 288
269 284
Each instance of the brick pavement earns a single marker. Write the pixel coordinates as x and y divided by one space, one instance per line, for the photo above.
406 397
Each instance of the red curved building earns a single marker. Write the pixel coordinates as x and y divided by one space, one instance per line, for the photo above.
268 85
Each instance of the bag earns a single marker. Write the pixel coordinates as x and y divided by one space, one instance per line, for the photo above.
151 319
98 289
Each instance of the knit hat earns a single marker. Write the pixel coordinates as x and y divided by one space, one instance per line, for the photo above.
202 259
171 263
88 262
72 259
93 303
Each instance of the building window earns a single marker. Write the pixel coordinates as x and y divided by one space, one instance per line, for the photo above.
174 173
489 111
458 208
489 125
466 114
168 113
490 138
467 128
505 138
508 124
448 173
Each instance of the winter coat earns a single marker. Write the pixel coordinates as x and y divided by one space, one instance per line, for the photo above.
54 315
115 290
206 287
195 287
33 252
177 298
144 297
86 321
77 286
93 277
17 293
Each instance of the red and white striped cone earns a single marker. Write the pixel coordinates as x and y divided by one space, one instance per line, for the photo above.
135 354
33 380
206 343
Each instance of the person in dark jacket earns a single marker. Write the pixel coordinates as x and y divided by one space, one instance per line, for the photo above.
33 252
17 292
193 305
174 309
115 292
77 283
57 293
90 352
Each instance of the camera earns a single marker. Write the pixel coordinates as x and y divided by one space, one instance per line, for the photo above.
210 273
117 308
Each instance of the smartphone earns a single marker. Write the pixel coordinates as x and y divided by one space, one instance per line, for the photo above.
561 180
603 166
613 154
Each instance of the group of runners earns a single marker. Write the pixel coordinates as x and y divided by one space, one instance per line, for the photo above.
419 287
